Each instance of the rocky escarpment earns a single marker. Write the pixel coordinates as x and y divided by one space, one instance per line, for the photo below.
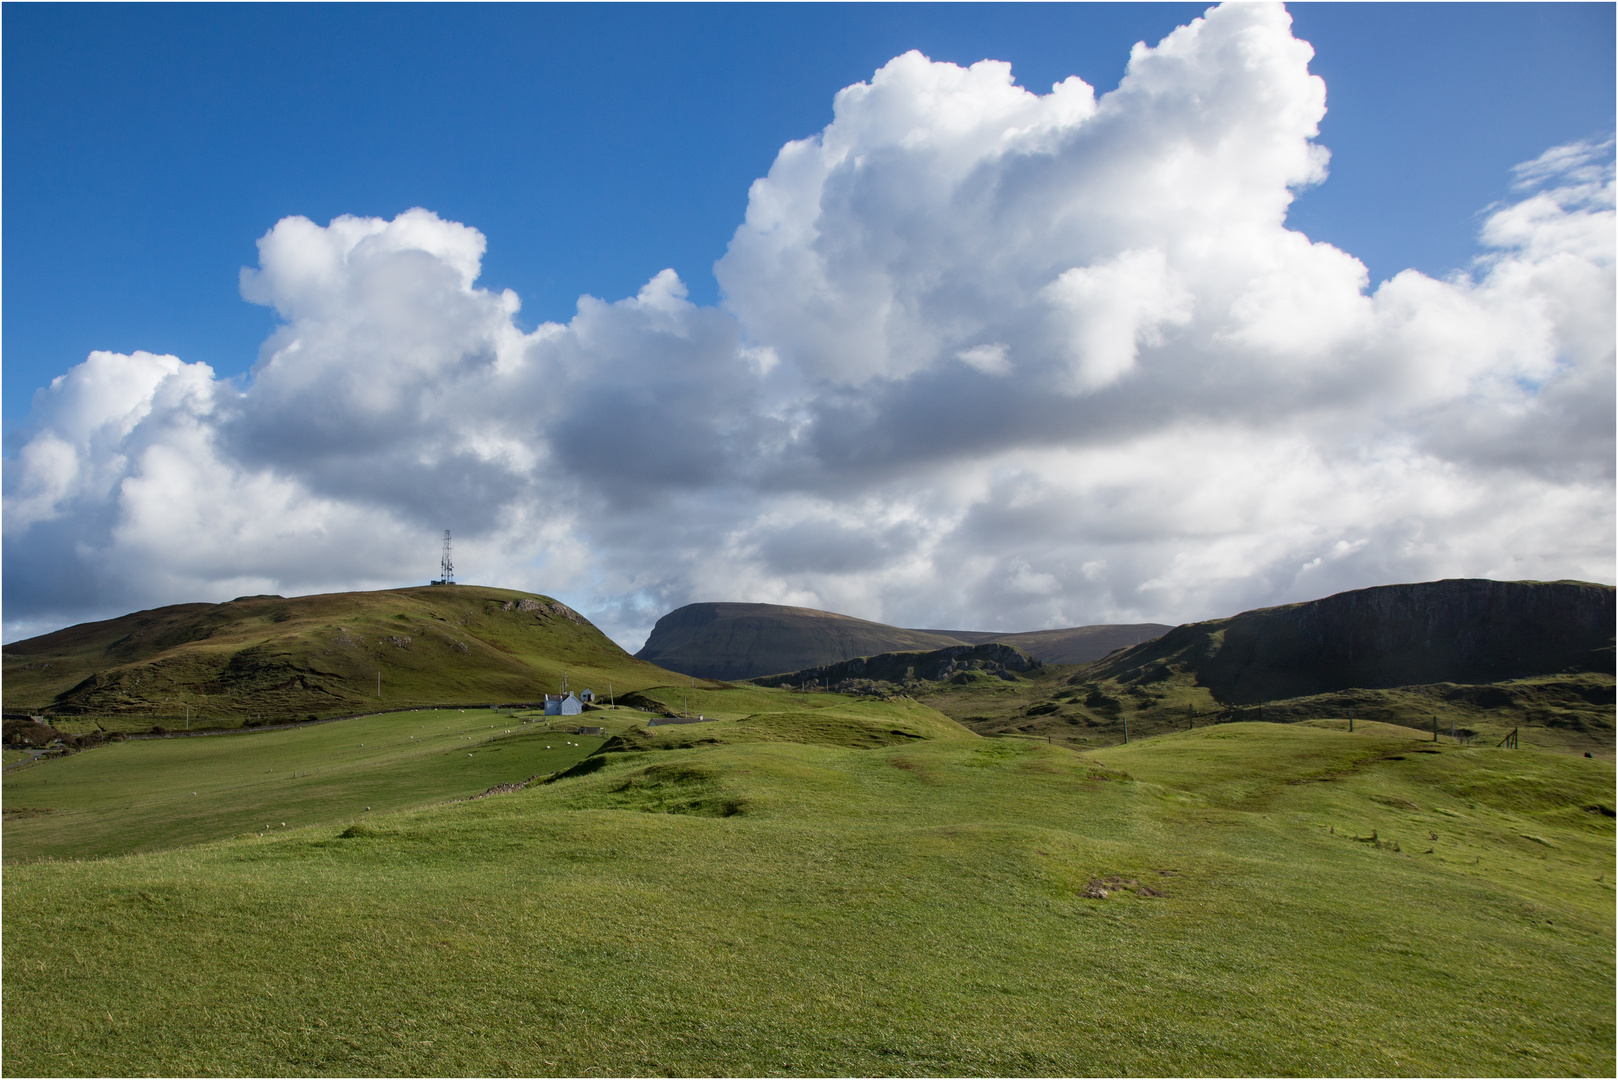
1452 631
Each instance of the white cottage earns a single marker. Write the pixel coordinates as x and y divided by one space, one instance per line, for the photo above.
588 696
563 704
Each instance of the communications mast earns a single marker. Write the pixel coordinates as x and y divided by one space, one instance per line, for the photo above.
446 565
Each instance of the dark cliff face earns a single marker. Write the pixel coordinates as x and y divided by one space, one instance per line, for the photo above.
1460 630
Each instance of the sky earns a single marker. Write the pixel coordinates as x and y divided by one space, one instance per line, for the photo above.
805 304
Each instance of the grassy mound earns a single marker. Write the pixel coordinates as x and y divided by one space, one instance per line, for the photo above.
962 906
269 659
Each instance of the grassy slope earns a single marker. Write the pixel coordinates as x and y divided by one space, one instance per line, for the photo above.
277 659
760 907
152 794
1569 713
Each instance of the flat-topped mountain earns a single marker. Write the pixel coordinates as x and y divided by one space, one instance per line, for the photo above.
744 641
1451 631
271 658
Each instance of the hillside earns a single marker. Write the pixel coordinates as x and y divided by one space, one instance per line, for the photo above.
745 641
271 659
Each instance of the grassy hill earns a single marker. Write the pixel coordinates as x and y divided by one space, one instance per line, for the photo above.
271 659
940 905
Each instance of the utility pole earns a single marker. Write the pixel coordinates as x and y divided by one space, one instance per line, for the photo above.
1351 721
379 684
188 718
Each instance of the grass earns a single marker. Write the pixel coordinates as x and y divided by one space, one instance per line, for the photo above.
151 794
928 907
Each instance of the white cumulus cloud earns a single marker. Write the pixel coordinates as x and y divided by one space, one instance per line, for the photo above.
986 358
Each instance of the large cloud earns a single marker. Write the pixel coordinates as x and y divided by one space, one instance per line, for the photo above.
986 358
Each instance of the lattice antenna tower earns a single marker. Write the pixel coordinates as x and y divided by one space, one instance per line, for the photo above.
446 565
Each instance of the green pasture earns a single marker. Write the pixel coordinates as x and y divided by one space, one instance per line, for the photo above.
148 794
1569 713
1241 899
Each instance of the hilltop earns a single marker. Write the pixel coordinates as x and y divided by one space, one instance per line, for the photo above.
745 641
274 659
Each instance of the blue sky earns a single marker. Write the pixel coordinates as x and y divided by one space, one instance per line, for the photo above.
1101 337
148 146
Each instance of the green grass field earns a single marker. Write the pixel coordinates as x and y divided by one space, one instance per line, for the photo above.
150 794
855 888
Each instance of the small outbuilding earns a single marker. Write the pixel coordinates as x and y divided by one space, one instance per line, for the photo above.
588 696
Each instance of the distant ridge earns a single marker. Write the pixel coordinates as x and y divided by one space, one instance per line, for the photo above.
1074 645
745 641
740 641
1461 630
